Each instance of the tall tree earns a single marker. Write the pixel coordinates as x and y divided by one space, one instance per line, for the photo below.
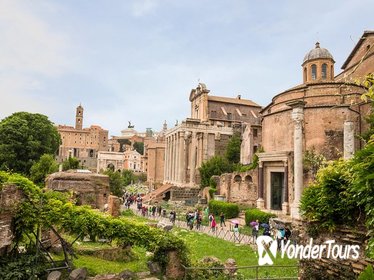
233 149
217 165
115 182
24 138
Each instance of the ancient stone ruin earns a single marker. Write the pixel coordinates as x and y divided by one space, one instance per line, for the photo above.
88 188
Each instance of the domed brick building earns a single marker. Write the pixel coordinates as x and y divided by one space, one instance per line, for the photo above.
323 115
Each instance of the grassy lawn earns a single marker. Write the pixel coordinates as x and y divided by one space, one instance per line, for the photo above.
201 245
95 265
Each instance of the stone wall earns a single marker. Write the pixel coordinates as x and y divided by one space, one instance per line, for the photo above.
88 188
184 194
10 196
335 268
239 187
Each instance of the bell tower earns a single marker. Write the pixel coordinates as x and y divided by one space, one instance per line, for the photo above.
79 118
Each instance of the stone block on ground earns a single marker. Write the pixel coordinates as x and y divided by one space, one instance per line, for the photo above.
78 274
154 267
166 226
128 275
106 277
54 275
231 268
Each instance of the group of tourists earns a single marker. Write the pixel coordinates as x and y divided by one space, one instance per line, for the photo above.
279 232
130 198
194 217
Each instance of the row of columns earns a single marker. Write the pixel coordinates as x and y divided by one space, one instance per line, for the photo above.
184 150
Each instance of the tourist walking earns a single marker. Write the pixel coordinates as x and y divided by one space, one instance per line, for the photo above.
222 219
255 228
213 224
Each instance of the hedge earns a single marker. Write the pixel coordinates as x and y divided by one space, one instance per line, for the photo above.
256 214
231 210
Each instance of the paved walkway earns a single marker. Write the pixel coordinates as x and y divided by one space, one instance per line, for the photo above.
220 232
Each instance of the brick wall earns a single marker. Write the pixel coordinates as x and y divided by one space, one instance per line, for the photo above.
239 187
335 268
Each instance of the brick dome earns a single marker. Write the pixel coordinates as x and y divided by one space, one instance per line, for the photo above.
317 53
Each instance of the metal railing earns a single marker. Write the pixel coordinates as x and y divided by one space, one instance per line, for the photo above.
218 232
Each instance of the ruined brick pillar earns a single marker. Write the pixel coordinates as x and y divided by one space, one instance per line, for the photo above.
114 206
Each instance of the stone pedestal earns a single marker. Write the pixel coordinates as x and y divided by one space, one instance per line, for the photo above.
285 208
260 203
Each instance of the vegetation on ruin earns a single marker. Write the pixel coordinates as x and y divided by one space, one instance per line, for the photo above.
369 96
70 163
24 138
51 209
231 210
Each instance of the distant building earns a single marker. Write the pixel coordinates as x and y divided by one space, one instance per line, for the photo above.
110 160
153 160
206 134
82 143
133 161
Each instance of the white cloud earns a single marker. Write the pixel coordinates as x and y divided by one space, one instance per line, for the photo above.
27 43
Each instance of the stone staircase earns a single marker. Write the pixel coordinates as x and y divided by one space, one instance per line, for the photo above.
157 194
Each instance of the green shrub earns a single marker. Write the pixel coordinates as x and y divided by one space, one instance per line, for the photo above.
367 274
212 191
231 210
256 214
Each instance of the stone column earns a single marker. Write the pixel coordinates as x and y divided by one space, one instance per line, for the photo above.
181 158
285 205
297 117
170 159
260 199
166 160
177 156
205 147
349 139
173 154
193 159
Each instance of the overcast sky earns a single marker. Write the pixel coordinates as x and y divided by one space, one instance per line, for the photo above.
137 60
